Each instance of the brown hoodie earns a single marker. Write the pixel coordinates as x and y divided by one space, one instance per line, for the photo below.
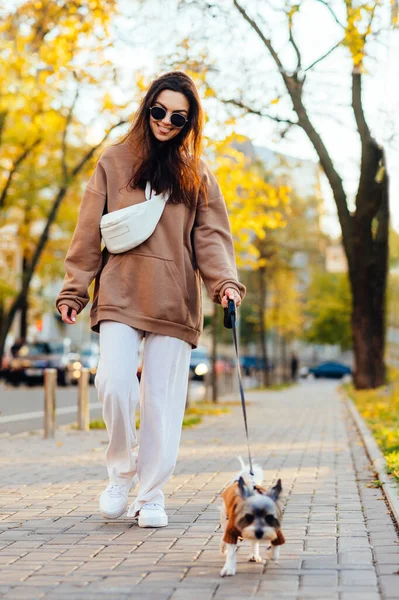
157 285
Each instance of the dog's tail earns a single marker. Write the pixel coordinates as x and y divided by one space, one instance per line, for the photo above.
245 474
223 547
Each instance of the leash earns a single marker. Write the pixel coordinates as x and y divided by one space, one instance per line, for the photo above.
230 323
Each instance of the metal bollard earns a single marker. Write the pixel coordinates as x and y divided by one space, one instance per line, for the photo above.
207 387
50 383
84 400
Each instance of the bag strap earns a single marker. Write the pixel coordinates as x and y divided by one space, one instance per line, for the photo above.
148 192
105 209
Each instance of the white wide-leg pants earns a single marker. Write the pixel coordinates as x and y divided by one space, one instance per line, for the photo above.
162 394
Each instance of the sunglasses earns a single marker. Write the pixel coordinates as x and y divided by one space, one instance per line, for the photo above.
158 113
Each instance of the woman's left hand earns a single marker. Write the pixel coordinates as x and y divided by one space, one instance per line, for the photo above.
233 295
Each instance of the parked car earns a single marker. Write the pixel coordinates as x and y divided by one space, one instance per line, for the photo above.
199 363
29 363
330 370
249 364
89 357
224 365
5 365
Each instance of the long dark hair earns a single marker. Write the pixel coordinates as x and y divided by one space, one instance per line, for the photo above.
173 165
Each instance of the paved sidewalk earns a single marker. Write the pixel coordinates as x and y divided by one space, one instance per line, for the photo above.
341 542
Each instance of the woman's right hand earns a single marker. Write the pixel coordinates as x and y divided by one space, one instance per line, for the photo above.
70 319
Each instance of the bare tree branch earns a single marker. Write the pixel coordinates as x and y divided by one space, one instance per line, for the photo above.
291 38
372 15
357 106
64 135
31 267
294 88
326 4
14 169
56 204
323 57
334 179
264 39
3 116
260 113
93 150
372 156
383 212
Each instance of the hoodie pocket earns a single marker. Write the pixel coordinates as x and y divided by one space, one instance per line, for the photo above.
110 283
152 287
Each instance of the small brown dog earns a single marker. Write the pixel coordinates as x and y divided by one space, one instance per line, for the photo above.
251 512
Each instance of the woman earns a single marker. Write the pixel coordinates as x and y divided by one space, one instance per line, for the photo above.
151 291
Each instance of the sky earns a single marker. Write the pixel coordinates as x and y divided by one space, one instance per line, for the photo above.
241 62
149 30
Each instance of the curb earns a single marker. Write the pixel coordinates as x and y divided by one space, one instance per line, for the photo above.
389 485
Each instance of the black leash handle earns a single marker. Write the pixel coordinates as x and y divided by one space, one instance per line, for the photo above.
230 323
228 312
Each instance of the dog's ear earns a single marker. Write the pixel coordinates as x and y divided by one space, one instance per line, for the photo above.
276 490
244 491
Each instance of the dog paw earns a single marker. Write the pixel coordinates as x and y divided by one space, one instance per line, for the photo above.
227 570
275 554
255 558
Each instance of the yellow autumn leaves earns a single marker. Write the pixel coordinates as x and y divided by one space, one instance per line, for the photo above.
359 17
380 408
255 204
51 54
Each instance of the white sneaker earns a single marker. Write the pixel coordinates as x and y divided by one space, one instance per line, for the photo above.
114 499
152 515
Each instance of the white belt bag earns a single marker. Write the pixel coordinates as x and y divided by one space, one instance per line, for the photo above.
128 227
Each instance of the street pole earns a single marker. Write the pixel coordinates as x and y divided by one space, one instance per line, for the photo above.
83 400
50 382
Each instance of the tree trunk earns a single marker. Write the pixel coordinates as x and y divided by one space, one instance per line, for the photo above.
364 233
23 326
29 269
283 359
366 331
262 324
7 320
368 275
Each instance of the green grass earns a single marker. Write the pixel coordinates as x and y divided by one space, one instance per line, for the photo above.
376 483
380 409
190 421
208 408
275 387
97 424
192 416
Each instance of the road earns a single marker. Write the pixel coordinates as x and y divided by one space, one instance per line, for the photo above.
21 409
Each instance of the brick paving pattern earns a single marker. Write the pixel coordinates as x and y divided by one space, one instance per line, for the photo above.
341 542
